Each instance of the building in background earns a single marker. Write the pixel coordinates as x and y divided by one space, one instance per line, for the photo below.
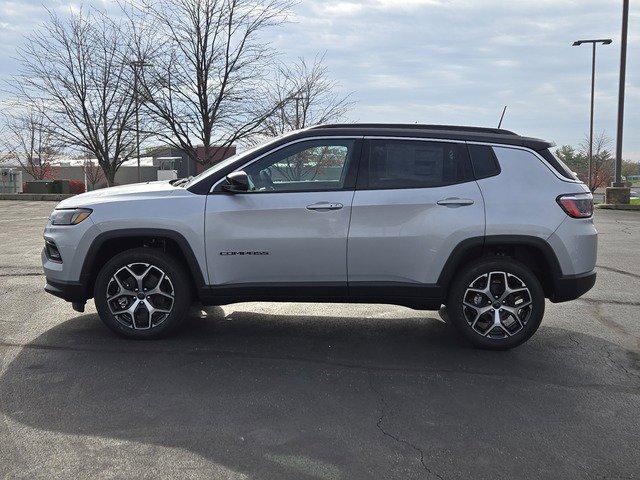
158 163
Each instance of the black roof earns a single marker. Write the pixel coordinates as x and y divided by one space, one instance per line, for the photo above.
445 132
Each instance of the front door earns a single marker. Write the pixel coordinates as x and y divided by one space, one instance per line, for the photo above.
290 229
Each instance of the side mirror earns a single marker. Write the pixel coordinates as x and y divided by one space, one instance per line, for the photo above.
237 182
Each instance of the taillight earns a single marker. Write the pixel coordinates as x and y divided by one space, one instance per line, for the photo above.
577 205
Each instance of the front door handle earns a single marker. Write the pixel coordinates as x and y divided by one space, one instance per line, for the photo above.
324 206
455 202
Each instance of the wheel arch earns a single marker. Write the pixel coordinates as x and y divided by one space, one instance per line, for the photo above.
534 252
108 244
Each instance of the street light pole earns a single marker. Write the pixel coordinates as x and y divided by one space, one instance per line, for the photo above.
623 72
606 41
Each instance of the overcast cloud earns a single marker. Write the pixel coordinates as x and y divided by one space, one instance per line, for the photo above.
456 61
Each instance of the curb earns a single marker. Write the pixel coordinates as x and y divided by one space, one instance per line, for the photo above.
618 206
35 197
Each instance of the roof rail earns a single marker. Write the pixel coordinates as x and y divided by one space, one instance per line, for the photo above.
417 126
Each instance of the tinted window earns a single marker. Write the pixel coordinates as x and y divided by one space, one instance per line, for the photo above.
417 164
311 165
484 161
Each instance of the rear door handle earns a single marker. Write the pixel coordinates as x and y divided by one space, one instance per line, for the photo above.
324 206
455 202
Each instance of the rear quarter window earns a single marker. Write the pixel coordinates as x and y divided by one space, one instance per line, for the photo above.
557 164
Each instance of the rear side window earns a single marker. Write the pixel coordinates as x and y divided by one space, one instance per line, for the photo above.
484 161
558 165
417 164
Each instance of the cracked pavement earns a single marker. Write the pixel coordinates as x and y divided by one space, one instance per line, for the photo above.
314 391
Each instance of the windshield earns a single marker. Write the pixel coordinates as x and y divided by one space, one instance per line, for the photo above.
223 164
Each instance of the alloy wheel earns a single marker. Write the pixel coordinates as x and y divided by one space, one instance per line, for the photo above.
497 305
140 296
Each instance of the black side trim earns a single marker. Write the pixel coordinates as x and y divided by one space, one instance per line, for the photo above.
471 248
395 289
69 291
570 287
182 242
273 292
426 297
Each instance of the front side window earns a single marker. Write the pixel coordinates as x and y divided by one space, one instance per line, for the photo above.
303 166
417 164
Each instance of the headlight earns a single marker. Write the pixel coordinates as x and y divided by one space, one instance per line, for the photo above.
71 216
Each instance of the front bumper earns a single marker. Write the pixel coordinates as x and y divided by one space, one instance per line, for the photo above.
570 287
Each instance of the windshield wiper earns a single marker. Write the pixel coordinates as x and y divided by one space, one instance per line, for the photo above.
180 181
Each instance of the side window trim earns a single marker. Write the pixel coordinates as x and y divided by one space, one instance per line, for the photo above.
362 182
350 178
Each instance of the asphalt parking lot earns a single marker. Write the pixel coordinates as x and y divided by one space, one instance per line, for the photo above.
313 391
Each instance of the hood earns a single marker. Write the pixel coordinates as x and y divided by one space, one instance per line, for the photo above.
129 192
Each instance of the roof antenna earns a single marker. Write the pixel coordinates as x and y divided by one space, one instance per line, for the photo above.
504 110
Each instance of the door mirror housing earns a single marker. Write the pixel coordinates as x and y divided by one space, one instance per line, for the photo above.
236 182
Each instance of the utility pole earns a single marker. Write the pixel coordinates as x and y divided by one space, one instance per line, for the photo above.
618 193
137 64
621 92
606 41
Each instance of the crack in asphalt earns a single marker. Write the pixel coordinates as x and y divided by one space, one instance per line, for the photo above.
417 449
620 271
615 326
603 301
611 324
23 274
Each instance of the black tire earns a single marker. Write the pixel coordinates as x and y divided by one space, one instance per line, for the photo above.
510 332
151 326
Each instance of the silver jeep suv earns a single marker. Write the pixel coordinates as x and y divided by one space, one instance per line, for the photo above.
484 221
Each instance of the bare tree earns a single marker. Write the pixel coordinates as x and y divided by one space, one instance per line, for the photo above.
307 97
205 82
30 142
76 70
602 165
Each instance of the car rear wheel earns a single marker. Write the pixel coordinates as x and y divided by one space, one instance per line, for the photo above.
142 293
496 303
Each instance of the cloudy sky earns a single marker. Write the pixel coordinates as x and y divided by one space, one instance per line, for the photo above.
448 61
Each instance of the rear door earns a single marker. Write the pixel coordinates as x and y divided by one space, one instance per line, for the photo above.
290 229
415 201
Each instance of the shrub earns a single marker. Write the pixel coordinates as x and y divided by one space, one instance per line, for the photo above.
76 186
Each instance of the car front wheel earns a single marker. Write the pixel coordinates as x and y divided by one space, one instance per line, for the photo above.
142 293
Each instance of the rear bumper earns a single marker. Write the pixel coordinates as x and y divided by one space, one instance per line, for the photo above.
570 287
74 292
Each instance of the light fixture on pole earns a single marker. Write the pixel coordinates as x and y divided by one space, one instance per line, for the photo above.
137 64
606 41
